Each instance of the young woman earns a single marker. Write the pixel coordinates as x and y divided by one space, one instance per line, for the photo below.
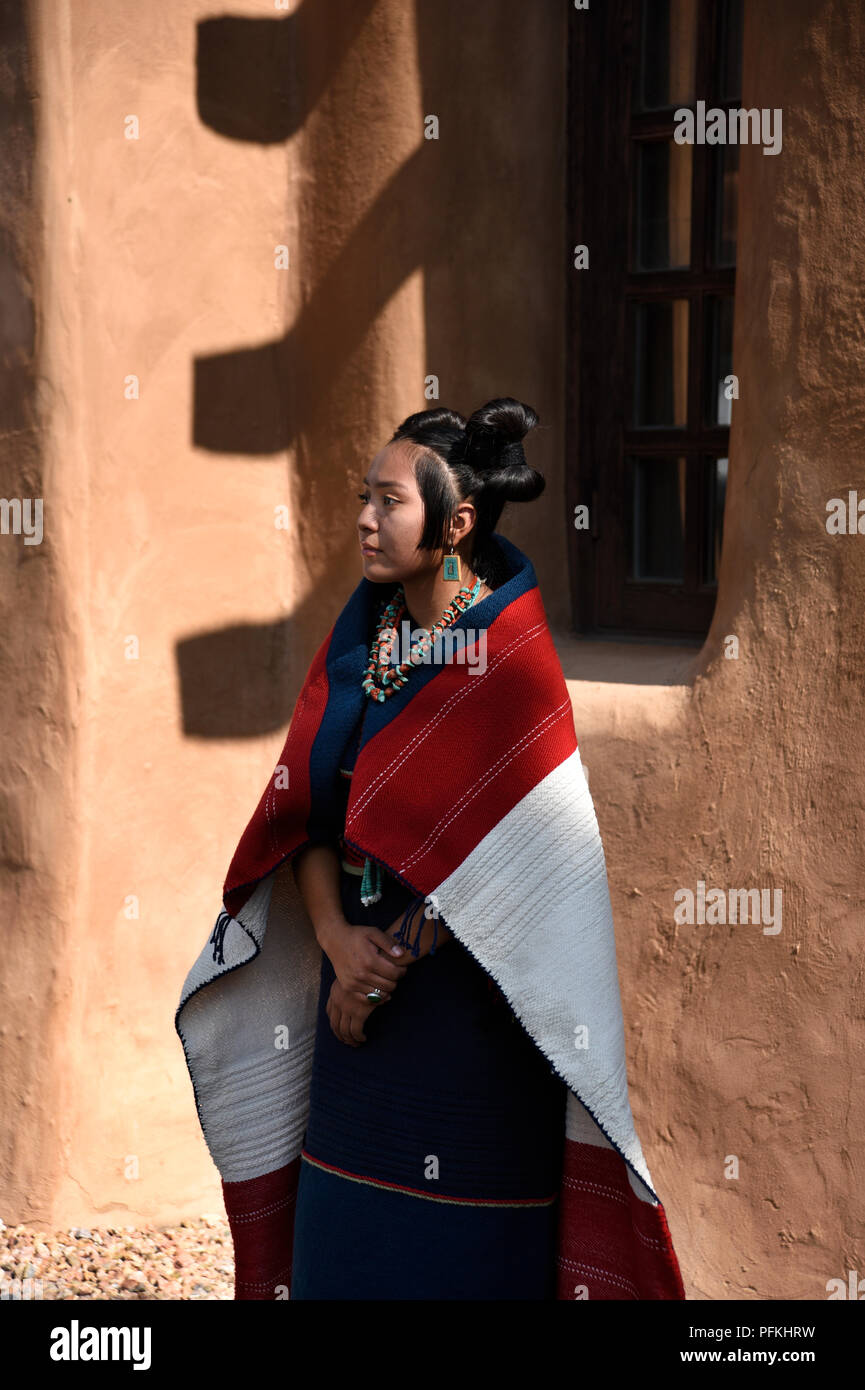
405 1032
434 1073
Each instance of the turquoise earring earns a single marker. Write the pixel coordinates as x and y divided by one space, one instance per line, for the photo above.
451 566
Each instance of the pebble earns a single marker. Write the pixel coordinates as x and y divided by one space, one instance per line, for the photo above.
192 1260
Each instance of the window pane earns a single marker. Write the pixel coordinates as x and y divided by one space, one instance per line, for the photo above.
657 520
660 363
666 61
662 205
725 202
719 359
716 493
729 49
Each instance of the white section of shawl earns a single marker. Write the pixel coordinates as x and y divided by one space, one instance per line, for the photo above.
532 904
252 1091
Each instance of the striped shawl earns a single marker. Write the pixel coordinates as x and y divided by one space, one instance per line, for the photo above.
468 788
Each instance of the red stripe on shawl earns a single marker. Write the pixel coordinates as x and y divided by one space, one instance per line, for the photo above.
261 1214
259 848
425 791
611 1243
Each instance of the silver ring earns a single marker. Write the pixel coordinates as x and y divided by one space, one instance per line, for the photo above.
375 996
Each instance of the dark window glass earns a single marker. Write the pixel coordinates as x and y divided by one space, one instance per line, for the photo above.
725 203
660 362
729 49
662 204
667 61
657 519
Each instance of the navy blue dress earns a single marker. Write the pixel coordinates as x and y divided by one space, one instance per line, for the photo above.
432 1156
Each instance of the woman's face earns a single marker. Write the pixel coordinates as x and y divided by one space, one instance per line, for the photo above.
391 518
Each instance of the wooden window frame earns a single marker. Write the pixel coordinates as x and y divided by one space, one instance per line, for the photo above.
603 48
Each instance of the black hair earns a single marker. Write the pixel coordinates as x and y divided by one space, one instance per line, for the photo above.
485 461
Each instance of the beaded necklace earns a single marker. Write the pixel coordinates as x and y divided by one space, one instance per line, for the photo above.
389 681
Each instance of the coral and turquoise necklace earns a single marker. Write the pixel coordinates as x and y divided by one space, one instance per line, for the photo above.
389 681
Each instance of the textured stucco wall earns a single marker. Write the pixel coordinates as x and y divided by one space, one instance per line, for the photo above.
131 779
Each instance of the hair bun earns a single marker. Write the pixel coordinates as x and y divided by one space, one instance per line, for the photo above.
493 447
494 431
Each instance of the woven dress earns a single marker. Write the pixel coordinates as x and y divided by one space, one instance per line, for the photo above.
432 1158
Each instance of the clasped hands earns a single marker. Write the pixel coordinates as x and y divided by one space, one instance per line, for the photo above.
366 958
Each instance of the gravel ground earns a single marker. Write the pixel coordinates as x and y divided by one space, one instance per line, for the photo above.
193 1260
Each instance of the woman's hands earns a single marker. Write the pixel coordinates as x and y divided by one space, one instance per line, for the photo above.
363 959
347 1015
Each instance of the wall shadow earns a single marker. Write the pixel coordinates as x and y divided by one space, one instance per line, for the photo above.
258 80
